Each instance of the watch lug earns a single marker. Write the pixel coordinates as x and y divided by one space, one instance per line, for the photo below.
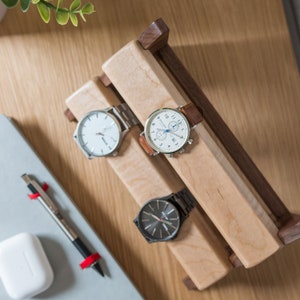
108 109
115 153
170 154
190 141
124 132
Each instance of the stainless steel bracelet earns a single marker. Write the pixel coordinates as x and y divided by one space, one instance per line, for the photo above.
125 114
185 199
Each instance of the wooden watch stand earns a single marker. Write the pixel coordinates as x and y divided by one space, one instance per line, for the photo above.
155 39
200 250
197 235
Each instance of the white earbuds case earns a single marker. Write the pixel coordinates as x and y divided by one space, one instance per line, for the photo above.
24 268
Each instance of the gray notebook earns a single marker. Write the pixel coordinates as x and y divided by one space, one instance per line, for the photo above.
19 214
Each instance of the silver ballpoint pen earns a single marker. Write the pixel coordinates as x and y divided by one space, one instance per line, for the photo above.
51 208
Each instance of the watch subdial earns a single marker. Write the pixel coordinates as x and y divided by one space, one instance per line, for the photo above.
173 126
161 134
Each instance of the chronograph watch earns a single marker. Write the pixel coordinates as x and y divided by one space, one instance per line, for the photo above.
160 219
167 130
100 132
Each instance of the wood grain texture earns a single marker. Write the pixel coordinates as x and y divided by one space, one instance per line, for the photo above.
196 247
240 54
155 39
204 169
228 140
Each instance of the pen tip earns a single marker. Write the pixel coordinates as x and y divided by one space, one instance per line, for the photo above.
97 268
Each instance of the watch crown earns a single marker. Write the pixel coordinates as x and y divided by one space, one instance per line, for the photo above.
190 141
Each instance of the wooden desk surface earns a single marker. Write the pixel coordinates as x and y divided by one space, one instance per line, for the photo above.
240 54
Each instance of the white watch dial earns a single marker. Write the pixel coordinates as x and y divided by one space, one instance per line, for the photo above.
98 134
167 130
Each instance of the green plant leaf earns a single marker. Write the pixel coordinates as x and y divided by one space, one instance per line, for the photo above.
59 2
82 16
10 3
25 5
74 19
35 1
44 12
88 9
62 17
75 5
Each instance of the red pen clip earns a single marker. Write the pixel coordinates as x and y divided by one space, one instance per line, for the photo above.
36 195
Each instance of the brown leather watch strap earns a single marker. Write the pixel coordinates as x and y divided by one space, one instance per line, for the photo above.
192 113
146 146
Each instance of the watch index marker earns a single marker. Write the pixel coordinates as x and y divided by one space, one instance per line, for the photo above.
166 228
170 211
148 226
146 213
157 203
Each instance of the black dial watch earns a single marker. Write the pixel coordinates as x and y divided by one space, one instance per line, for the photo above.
160 219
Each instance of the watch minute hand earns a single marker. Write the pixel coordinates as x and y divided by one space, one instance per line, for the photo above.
180 136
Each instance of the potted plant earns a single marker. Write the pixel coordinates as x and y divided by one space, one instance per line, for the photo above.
62 14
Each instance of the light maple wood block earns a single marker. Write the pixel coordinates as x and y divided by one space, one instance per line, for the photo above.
196 247
205 169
